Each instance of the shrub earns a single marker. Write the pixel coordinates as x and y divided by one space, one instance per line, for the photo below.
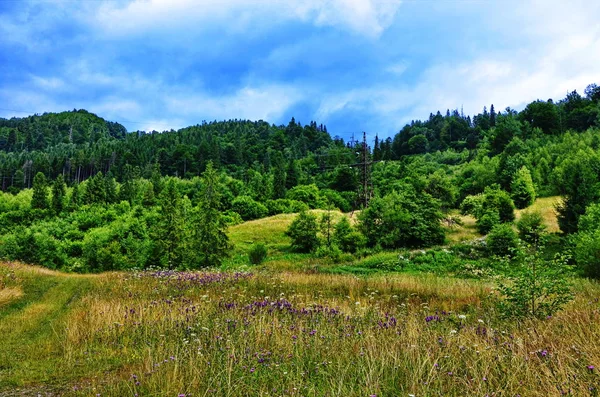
502 240
486 222
499 200
257 253
248 208
308 194
587 252
539 289
531 227
472 205
334 198
522 189
303 232
232 218
285 206
347 238
403 219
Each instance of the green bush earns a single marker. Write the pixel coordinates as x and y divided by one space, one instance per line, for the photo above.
487 221
347 238
522 189
539 289
499 200
232 218
403 219
336 199
248 208
502 240
308 194
285 206
531 227
257 253
303 232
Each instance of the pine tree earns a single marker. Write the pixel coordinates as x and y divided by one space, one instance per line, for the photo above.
210 237
75 200
95 190
59 190
110 186
292 175
40 192
279 178
170 227
149 198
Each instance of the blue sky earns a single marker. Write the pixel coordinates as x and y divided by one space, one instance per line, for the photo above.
354 65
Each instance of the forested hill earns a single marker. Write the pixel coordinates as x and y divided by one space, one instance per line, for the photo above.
78 144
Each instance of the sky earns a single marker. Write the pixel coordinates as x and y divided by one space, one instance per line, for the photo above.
353 65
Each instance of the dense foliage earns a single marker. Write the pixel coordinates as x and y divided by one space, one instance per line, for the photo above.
81 193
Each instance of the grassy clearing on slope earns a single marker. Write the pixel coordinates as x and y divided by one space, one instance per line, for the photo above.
289 334
547 207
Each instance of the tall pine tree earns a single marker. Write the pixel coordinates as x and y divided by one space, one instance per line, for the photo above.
210 237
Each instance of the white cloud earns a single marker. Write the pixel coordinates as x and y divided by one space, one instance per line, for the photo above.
546 64
368 17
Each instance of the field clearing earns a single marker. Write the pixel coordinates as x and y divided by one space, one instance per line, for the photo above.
197 334
547 207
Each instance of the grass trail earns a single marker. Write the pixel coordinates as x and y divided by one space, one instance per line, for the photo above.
32 327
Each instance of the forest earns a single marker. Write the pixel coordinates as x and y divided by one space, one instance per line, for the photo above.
82 194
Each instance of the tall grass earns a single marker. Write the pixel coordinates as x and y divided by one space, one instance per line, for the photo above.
312 335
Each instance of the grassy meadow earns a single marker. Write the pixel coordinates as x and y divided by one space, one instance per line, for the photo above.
293 326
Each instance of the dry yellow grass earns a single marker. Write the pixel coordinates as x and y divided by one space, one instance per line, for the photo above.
547 207
9 294
274 332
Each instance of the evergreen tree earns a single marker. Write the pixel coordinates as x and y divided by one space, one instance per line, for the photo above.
579 187
279 177
95 190
292 175
210 237
156 179
40 192
149 198
74 200
110 186
170 227
59 190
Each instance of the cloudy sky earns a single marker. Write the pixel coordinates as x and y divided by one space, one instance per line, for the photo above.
354 65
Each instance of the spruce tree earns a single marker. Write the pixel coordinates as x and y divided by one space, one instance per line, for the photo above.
292 175
170 227
75 199
211 240
110 187
279 178
40 192
59 190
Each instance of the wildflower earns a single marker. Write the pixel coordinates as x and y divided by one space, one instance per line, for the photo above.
481 321
462 316
590 367
453 332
